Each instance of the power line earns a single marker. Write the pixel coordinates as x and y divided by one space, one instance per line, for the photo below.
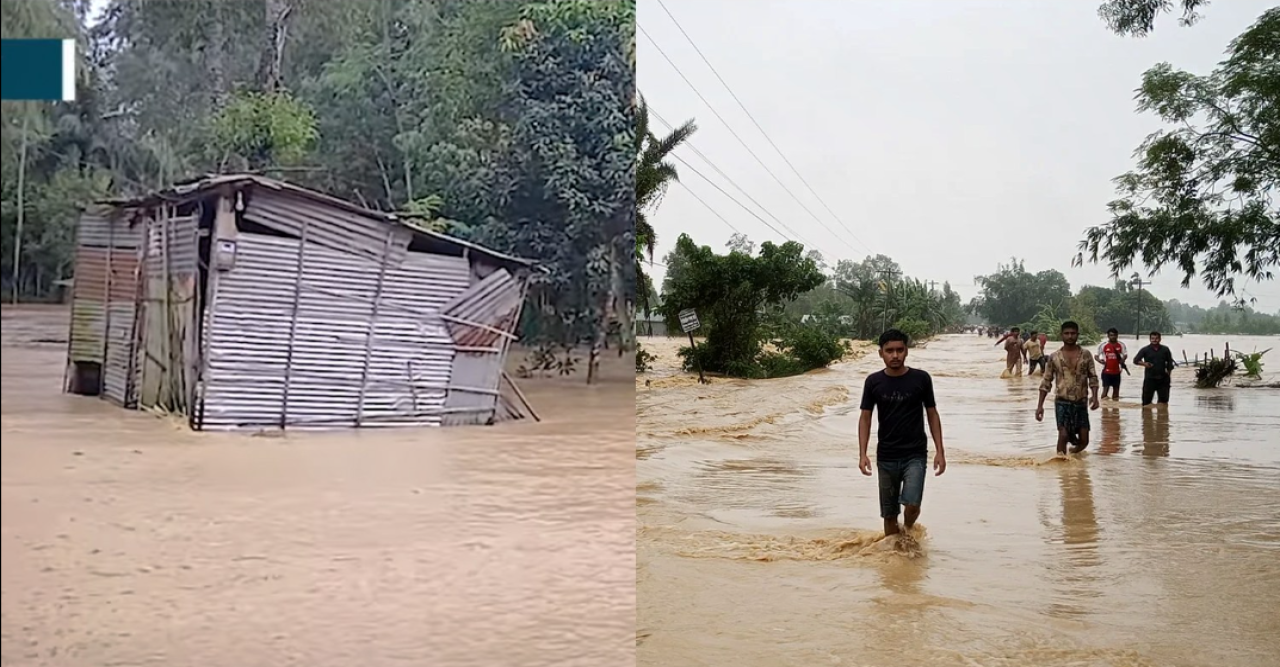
731 197
726 177
709 207
757 124
735 134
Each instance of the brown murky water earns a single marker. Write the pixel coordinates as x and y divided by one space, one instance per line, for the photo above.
758 542
129 540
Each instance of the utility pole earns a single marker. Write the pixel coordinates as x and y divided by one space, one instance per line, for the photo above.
1138 282
22 204
887 276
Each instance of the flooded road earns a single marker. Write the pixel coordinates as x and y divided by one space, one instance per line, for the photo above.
760 544
129 540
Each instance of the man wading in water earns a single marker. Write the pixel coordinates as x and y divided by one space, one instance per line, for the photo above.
1077 379
1034 350
902 396
1012 352
1158 360
1112 355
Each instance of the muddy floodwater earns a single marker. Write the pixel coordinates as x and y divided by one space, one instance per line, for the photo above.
129 540
760 544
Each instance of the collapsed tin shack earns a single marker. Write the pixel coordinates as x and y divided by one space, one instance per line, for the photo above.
244 302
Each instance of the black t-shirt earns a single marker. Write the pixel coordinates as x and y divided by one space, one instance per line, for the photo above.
900 403
1161 360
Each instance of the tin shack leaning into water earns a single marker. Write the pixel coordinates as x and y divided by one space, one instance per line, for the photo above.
243 302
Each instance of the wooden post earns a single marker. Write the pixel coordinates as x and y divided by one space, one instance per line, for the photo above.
373 325
22 209
693 347
293 325
520 395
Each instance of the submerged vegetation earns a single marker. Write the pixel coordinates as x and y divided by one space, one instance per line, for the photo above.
1252 363
1213 372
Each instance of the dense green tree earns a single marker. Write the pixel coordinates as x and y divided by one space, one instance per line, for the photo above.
1137 18
732 293
1127 309
1012 295
860 299
1224 318
510 123
1200 199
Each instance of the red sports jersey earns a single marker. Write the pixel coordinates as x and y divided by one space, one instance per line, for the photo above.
1111 353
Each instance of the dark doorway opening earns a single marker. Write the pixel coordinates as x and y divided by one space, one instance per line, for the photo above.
86 378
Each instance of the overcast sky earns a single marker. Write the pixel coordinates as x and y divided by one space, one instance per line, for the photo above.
950 136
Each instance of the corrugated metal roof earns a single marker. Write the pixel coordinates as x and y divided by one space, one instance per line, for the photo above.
200 187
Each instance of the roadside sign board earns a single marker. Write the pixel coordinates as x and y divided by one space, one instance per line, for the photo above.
689 320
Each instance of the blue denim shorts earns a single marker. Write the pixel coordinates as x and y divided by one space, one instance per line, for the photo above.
901 483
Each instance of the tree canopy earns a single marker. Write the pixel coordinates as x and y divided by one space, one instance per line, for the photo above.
1223 318
513 123
1200 198
1012 295
731 292
1137 18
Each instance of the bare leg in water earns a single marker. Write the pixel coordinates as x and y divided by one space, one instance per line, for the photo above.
1080 441
910 516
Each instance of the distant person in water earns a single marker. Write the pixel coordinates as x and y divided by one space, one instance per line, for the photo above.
1034 352
1112 355
902 397
1073 371
1158 360
1012 351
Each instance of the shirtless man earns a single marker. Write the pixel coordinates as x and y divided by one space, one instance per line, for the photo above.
1012 351
1076 376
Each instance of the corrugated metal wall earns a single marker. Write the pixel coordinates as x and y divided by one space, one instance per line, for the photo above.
327 226
87 341
168 311
480 321
334 308
88 305
103 297
348 344
247 335
411 353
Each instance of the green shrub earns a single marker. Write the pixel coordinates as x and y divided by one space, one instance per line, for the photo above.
916 330
812 347
800 349
643 359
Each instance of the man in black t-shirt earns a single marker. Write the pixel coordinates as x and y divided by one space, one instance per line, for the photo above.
1158 360
903 397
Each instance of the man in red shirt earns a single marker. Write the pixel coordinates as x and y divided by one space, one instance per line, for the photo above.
1112 355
